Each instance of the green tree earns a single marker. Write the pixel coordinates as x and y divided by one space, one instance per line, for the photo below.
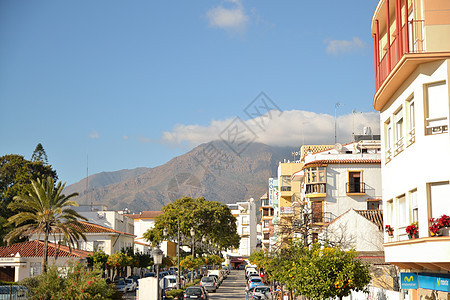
210 220
44 210
323 272
97 258
39 154
16 174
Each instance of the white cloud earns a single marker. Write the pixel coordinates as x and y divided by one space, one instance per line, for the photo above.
336 47
291 128
232 19
94 134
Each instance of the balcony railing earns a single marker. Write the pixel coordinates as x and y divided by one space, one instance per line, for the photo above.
436 125
322 217
412 42
319 188
285 188
355 187
412 136
265 203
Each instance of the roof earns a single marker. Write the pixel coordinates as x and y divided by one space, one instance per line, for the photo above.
265 196
95 228
141 243
149 214
36 249
342 161
375 216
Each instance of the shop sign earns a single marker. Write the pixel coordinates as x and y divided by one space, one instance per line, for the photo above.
434 282
408 281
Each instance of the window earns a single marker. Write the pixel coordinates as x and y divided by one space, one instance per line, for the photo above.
411 131
355 184
245 231
390 213
315 175
414 213
266 224
398 119
245 220
436 108
285 183
99 245
316 180
402 212
438 198
373 204
35 268
387 141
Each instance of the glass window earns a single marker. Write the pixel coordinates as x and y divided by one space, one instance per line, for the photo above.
388 138
436 109
398 118
439 201
411 121
414 206
402 219
355 184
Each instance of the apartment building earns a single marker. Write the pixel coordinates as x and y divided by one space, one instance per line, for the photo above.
412 71
245 213
266 221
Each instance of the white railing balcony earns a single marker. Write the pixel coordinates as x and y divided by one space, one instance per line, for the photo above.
412 136
436 125
399 145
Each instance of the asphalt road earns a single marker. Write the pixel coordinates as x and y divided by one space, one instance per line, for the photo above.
232 288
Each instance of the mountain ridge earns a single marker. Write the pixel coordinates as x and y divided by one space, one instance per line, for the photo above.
212 170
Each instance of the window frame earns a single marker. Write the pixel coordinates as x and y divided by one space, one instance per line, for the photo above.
437 129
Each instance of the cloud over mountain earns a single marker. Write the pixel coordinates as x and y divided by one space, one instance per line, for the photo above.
288 128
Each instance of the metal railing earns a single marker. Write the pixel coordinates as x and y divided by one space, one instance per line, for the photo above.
355 187
322 217
285 188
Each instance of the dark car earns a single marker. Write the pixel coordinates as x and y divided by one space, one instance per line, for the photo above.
195 292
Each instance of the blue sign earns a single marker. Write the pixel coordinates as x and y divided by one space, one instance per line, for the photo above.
437 282
408 281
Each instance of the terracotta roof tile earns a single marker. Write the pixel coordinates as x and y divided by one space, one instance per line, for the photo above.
95 228
376 216
342 161
36 249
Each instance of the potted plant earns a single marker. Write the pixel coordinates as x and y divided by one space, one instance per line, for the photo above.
413 230
440 226
389 230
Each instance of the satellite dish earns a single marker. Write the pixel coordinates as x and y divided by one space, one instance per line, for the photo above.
100 216
338 147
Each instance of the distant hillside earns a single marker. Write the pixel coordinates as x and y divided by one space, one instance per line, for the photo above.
210 170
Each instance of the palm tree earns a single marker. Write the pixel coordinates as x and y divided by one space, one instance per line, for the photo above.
45 210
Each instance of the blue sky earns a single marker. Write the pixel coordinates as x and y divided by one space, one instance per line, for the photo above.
135 83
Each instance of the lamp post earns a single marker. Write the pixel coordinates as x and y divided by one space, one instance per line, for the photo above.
178 256
193 252
157 260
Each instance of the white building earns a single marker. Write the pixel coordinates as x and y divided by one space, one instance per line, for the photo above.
22 260
337 180
143 222
412 72
245 213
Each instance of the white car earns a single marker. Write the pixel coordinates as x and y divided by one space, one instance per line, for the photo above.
131 285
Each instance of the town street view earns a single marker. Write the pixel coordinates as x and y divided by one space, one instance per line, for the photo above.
225 149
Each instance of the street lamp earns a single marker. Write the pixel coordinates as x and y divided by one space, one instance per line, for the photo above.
193 252
157 260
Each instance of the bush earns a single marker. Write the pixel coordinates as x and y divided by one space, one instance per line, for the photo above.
174 293
76 283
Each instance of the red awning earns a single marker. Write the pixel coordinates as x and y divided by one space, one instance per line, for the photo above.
236 260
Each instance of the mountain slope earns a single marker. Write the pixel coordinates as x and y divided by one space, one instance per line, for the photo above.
210 170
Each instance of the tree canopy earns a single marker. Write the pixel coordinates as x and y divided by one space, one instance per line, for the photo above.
211 221
39 154
16 174
317 272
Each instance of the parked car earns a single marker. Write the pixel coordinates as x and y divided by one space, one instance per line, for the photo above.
131 285
262 293
16 292
209 283
195 292
150 274
169 282
254 281
218 279
121 286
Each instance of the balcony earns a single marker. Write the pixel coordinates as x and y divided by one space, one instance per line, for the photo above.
410 41
355 188
322 217
316 190
265 202
427 253
286 191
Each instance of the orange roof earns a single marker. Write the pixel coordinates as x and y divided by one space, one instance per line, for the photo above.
140 243
36 249
149 214
342 161
95 228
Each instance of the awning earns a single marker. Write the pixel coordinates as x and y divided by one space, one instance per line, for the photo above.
236 260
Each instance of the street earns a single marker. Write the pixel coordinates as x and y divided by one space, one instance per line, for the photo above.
232 288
